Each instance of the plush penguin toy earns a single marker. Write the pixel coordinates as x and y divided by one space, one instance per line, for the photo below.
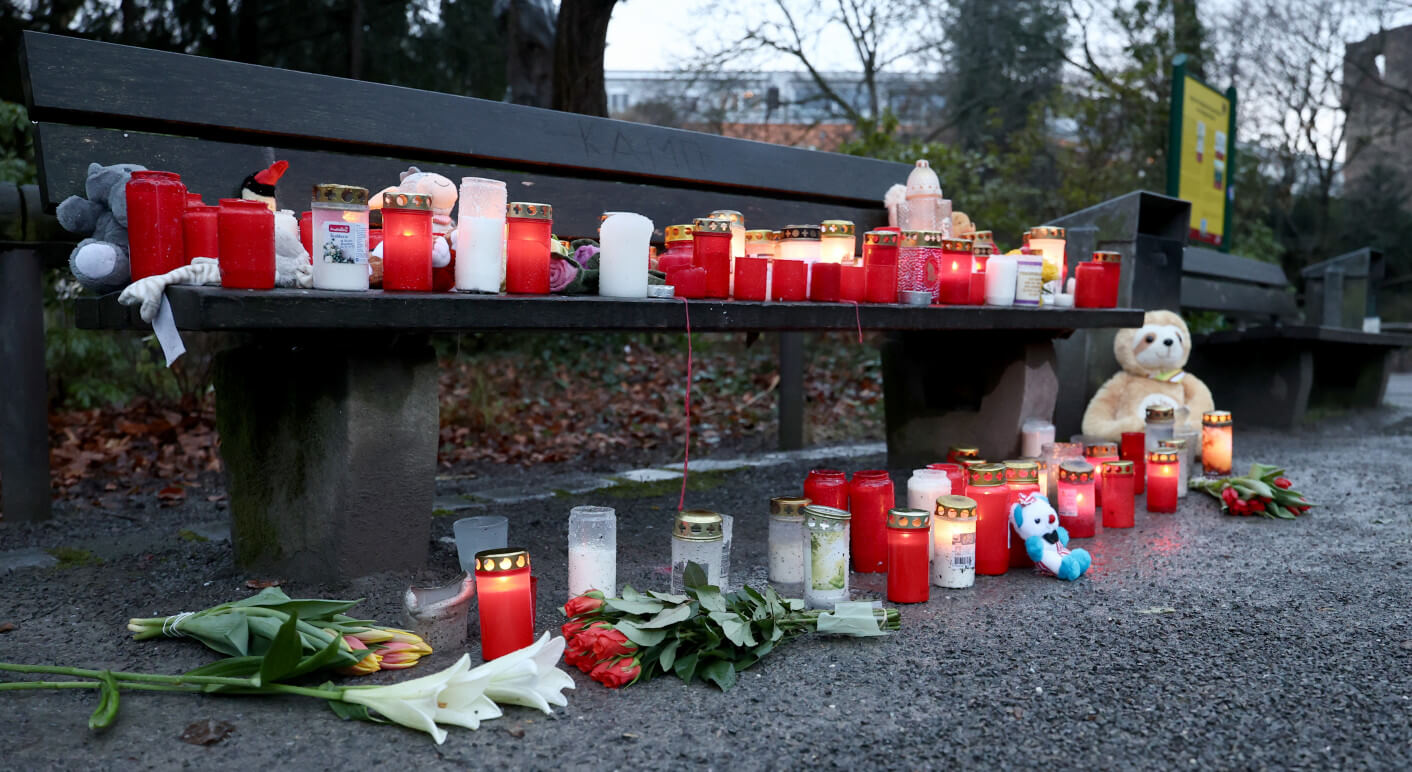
260 186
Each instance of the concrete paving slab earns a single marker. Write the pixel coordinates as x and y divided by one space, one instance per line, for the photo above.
649 475
28 557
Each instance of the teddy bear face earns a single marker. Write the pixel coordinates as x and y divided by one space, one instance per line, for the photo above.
1161 344
1033 516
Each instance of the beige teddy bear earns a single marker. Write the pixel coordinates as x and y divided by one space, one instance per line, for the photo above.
1152 358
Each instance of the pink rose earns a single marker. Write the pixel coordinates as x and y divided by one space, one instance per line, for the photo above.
561 273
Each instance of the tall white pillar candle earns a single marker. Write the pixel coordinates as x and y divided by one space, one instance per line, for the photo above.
924 487
1000 281
622 265
480 235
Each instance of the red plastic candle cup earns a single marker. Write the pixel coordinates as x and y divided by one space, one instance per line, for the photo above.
1075 507
1117 479
1090 284
1112 264
527 227
406 242
1098 454
853 283
711 250
980 256
882 282
688 283
908 564
870 496
505 600
791 280
880 248
671 261
155 203
955 273
1021 477
751 277
306 231
825 284
200 231
986 484
977 293
374 238
956 473
1163 466
247 244
1132 446
827 487
193 199
678 251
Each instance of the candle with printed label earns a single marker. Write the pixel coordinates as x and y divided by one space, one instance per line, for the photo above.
954 542
339 237
908 550
786 539
505 600
826 546
1075 507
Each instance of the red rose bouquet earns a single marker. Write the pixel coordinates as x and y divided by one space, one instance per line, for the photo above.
703 634
1264 491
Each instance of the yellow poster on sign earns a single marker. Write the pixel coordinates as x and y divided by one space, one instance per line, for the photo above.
1200 154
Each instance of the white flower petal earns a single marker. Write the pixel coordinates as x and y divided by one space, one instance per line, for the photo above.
414 713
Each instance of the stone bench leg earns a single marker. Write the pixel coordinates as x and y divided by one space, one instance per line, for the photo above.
1350 375
942 389
329 444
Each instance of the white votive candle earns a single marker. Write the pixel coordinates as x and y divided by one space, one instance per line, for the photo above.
480 235
1000 281
593 550
622 265
924 487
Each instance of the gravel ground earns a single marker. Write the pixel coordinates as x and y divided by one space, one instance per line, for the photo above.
1197 640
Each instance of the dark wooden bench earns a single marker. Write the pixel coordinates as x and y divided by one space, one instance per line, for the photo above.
327 409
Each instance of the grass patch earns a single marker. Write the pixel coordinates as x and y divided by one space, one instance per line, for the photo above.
696 481
72 557
186 534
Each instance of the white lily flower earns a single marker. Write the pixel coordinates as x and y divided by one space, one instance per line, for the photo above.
528 676
451 696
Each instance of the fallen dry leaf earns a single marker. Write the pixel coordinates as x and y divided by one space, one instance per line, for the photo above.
260 584
208 732
7 627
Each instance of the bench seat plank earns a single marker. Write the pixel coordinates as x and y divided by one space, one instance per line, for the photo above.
1304 333
217 309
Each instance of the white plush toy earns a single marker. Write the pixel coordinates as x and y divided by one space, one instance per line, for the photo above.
1047 542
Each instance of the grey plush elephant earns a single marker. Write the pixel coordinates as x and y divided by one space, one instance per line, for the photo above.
100 261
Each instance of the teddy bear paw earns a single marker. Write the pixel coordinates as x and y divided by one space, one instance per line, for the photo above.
95 261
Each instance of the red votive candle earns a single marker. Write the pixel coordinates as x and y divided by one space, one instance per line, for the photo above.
193 199
882 283
980 255
711 250
1089 285
1117 479
908 564
825 283
678 251
1163 466
870 496
306 232
689 283
247 244
751 278
1075 483
527 247
406 243
1098 454
955 273
853 283
986 484
956 473
827 487
1021 477
1112 264
200 231
1132 446
880 247
505 601
155 203
790 281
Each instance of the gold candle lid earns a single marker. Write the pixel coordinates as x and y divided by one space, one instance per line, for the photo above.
788 506
412 201
529 210
984 475
909 519
830 229
340 194
1021 471
1177 443
881 238
1159 413
963 451
1118 468
710 225
810 232
1107 257
1101 449
697 525
679 232
827 513
759 235
502 559
922 238
1076 472
1216 418
1163 456
982 250
957 245
1045 232
729 215
955 507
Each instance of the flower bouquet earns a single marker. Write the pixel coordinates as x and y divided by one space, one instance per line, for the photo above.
1264 491
703 634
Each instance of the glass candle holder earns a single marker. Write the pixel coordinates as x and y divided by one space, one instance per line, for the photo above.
1021 476
480 235
1160 424
407 242
954 272
1075 505
826 547
1029 280
1054 454
338 232
1216 443
954 542
827 488
1132 446
247 244
1117 479
986 485
156 201
787 545
477 534
527 229
870 496
679 249
200 232
1049 242
593 551
909 545
759 243
796 252
837 241
1035 433
1184 465
1163 468
622 264
727 530
711 250
1112 265
737 229
1090 285
1097 453
752 278
956 473
1000 281
919 262
697 537
505 600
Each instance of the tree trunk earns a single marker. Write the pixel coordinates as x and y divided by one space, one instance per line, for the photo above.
579 41
355 41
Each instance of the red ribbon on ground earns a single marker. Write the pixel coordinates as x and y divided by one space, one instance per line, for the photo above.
857 319
686 458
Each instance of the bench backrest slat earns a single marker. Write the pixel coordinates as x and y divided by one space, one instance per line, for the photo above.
1209 262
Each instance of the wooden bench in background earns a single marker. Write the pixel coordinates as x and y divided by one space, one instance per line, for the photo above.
327 409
